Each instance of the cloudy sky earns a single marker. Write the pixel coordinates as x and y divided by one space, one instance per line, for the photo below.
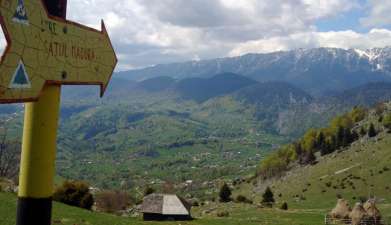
149 32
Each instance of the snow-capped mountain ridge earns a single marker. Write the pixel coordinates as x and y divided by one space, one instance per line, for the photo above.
316 70
367 53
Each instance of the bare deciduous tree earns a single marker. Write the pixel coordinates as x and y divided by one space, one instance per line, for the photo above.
9 154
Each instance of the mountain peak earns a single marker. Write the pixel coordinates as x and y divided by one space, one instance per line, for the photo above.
202 89
272 93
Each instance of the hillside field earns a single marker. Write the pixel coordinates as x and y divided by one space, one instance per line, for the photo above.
359 172
239 215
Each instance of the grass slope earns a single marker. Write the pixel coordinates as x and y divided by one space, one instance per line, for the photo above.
363 166
363 170
239 214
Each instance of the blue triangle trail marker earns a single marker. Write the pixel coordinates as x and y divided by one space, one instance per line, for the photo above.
20 15
20 79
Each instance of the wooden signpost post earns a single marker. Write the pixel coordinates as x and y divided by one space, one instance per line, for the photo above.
45 51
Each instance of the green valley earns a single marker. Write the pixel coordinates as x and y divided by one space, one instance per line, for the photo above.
153 137
153 132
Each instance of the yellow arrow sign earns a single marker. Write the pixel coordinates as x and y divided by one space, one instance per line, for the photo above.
43 49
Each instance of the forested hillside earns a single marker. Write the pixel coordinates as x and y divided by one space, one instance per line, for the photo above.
348 159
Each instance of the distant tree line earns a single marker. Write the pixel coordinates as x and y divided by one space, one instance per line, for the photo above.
225 195
339 134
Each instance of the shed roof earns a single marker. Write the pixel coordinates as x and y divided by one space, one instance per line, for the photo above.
165 205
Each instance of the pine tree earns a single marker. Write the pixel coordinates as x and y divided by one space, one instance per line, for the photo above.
298 149
333 144
363 132
321 142
355 136
372 131
268 197
225 193
284 206
340 137
327 149
347 137
310 158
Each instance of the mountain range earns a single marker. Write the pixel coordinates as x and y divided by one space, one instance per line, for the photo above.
317 71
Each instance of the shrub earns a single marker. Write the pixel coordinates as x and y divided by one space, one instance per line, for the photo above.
225 193
138 201
363 199
148 191
284 206
223 214
243 199
87 201
195 203
74 193
112 201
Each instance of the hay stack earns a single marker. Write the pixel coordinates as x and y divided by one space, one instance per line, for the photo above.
358 213
372 212
368 203
341 210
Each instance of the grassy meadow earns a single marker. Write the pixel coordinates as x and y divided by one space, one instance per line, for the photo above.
240 214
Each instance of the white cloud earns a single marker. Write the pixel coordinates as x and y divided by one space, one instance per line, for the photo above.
318 9
148 32
162 31
379 14
342 39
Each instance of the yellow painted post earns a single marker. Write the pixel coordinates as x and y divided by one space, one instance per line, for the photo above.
37 167
57 52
